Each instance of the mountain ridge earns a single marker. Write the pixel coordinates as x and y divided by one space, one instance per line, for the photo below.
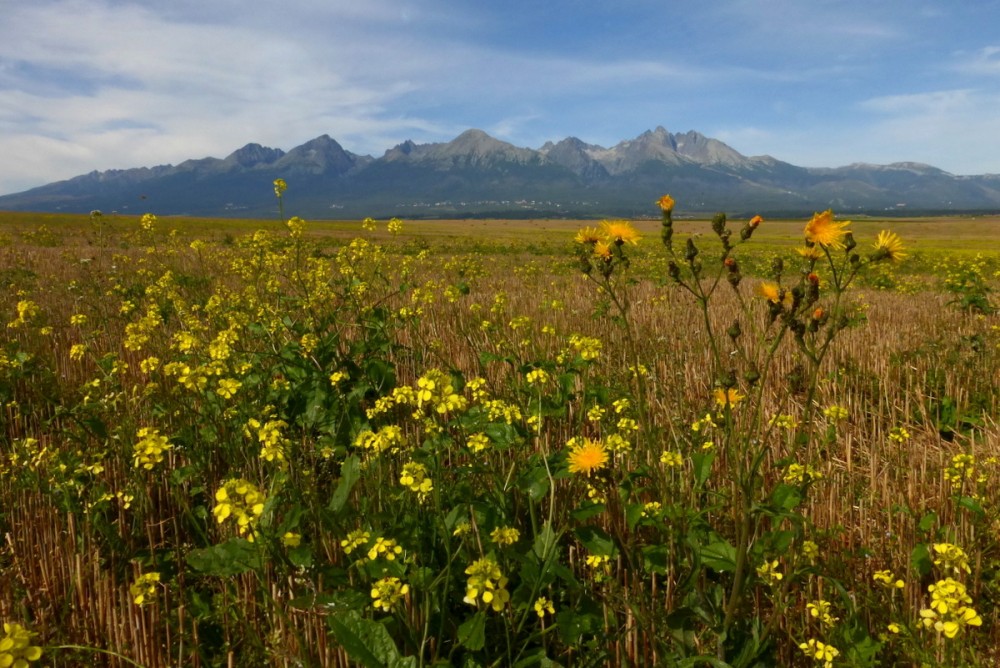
476 174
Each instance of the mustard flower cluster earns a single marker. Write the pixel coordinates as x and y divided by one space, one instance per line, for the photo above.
414 477
26 311
961 470
387 593
949 611
887 580
143 590
16 649
387 548
769 573
387 439
820 652
150 449
486 583
505 535
241 500
354 540
820 610
951 557
543 606
799 474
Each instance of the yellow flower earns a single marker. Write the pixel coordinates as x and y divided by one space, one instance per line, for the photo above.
730 397
280 187
587 457
809 252
824 231
544 606
602 249
666 203
143 590
15 646
888 246
820 651
291 539
505 535
588 235
387 593
770 291
619 231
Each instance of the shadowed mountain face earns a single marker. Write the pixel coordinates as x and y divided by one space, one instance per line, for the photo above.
478 175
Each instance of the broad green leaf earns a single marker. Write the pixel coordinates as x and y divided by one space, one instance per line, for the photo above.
472 632
350 473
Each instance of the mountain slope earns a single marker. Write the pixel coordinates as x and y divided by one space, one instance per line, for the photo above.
476 174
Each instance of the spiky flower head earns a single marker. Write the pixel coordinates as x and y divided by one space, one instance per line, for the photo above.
888 246
823 230
666 204
587 456
588 235
619 231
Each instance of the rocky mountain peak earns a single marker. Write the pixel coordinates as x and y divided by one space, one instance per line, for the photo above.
254 154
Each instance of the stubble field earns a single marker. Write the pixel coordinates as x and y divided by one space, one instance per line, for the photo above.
499 443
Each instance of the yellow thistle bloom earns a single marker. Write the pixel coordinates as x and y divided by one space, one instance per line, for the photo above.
809 252
666 203
888 246
824 231
588 235
770 291
602 249
730 397
619 231
587 457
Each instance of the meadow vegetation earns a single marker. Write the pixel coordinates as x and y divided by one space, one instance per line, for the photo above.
679 443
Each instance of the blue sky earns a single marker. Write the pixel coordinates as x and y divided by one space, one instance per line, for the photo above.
102 84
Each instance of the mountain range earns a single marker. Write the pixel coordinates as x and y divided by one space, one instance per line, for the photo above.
476 175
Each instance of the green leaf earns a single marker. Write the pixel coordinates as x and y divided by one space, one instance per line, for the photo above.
702 461
233 557
365 641
971 505
535 482
545 540
920 559
472 632
927 522
785 497
720 555
596 540
350 473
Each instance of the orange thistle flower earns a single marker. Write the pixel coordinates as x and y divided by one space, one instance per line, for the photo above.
619 231
588 235
823 230
666 203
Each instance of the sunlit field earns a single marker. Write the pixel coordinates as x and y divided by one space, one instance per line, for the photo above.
499 443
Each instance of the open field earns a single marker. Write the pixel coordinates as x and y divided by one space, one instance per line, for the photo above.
485 443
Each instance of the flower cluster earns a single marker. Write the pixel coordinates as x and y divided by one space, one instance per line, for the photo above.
143 590
241 500
820 652
486 583
948 612
387 593
414 477
951 557
15 646
150 449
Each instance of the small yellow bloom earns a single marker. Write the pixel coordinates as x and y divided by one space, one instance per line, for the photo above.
666 204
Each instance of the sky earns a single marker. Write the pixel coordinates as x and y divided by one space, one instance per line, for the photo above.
114 84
